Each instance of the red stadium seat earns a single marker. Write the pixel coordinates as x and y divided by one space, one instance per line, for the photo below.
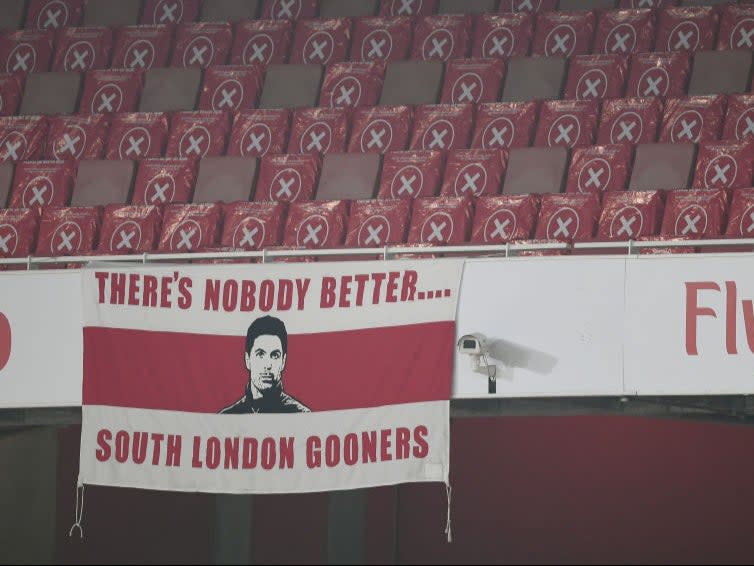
659 74
631 120
138 135
319 42
381 39
108 91
11 88
22 138
319 224
68 231
18 231
724 165
288 10
319 130
26 51
527 6
164 181
599 169
472 81
570 123
443 126
688 28
169 11
596 76
474 172
692 119
82 49
77 137
411 174
202 44
253 225
504 218
630 215
442 37
189 227
375 223
54 14
407 7
197 134
142 47
351 85
42 183
441 221
741 214
502 35
562 34
380 129
258 132
232 88
568 217
287 178
622 32
694 214
736 27
261 42
129 229
739 118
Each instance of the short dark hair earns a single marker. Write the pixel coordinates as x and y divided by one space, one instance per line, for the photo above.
267 325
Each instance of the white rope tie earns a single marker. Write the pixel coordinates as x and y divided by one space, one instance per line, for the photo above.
79 512
448 531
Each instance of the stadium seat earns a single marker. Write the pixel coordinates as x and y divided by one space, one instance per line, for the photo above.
190 227
596 76
129 229
442 126
504 218
82 49
142 47
77 137
687 28
536 170
41 14
258 132
197 134
741 214
380 129
412 82
720 72
570 123
411 174
229 10
164 181
28 51
739 118
106 91
11 88
692 119
288 10
502 35
50 93
694 214
658 74
111 13
170 11
231 88
138 135
474 172
599 168
441 221
347 8
349 176
662 166
226 179
287 178
534 78
6 182
261 42
18 231
316 224
42 183
736 29
202 44
562 34
724 165
101 182
527 6
623 32
442 37
375 223
319 42
67 231
291 86
351 85
472 81
630 215
170 90
569 217
318 130
22 138
630 120
381 39
253 225
505 125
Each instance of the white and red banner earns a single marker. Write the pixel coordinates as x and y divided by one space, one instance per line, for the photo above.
188 371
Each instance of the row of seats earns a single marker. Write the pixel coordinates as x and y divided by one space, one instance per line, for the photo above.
438 221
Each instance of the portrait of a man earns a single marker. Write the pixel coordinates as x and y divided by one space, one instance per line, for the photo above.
265 356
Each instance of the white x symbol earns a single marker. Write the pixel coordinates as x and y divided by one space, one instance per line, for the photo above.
198 54
376 138
470 183
720 173
345 95
194 145
620 42
500 228
376 48
168 13
21 61
5 239
626 129
406 7
135 145
186 239
560 43
594 177
563 133
139 58
691 224
312 234
466 94
436 231
227 98
749 230
11 148
159 192
125 240
438 138
563 227
79 61
105 103
407 185
591 88
285 187
497 45
749 127
683 40
318 49
374 234
745 37
652 86
38 195
497 136
70 144
258 52
248 236
626 225
285 9
254 142
314 140
437 47
525 4
687 129
65 241
52 18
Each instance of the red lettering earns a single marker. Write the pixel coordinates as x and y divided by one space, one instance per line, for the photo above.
156 440
104 437
211 294
748 309
361 281
351 449
266 295
101 277
117 288
285 294
121 446
165 292
378 278
133 289
345 289
286 453
313 452
268 454
421 448
250 447
150 291
230 295
184 293
385 444
139 447
213 452
402 436
196 461
408 290
231 453
6 340
332 450
327 297
369 446
247 295
302 286
693 311
174 449
392 286
730 317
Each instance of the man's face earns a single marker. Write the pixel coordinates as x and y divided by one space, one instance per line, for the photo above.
265 362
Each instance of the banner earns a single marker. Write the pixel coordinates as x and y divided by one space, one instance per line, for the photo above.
268 378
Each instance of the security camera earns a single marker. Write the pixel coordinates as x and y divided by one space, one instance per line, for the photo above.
473 345
469 344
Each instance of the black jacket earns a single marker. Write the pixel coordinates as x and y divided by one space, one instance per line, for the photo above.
273 401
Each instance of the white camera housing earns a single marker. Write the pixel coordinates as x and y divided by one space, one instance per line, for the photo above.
473 345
